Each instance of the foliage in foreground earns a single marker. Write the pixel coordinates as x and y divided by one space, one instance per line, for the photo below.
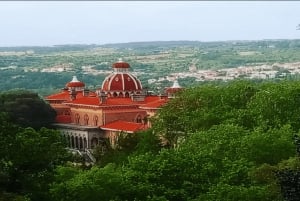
26 109
28 156
232 141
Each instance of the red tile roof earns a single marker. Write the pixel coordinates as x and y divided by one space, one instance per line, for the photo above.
120 101
129 127
92 99
88 100
65 95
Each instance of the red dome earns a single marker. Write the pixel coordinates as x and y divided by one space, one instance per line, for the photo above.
175 88
75 83
121 82
121 64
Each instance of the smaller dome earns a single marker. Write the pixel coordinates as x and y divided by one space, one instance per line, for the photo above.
121 64
175 88
75 83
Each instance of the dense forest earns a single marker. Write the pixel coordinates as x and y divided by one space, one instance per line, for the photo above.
28 67
237 140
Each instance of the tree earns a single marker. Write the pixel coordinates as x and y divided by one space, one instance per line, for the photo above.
228 142
27 109
275 105
28 159
95 184
202 107
209 165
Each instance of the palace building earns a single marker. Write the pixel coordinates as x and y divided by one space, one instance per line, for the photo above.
87 117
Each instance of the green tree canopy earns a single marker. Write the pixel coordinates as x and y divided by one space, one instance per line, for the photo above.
28 158
229 141
26 108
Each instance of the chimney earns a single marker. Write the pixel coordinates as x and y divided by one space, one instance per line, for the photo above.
102 97
73 94
85 92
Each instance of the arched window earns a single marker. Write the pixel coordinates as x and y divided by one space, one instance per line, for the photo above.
80 143
72 142
77 118
86 119
69 141
95 119
76 142
84 143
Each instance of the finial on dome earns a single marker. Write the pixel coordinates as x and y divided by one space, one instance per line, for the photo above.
120 60
75 79
75 83
173 89
176 84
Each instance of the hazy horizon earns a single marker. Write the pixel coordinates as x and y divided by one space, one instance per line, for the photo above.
48 23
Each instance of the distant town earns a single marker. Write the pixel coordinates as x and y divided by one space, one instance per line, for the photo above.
264 71
276 70
156 64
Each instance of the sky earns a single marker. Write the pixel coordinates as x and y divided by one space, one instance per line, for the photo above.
46 23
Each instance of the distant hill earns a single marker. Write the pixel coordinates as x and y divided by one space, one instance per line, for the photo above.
147 44
48 68
153 43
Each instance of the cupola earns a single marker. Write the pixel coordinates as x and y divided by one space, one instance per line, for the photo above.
75 84
173 89
121 83
121 65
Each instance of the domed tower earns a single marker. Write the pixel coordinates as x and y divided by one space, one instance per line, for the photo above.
74 87
171 91
75 84
121 83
